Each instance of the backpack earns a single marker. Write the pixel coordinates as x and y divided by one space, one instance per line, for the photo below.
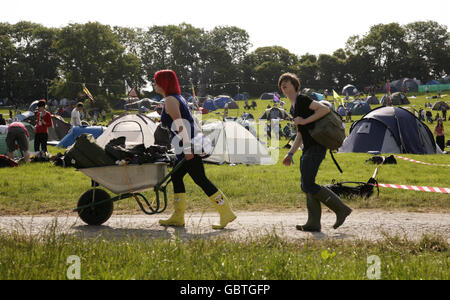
329 132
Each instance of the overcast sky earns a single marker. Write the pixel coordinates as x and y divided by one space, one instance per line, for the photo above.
314 26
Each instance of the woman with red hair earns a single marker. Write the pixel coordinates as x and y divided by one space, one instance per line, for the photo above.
177 118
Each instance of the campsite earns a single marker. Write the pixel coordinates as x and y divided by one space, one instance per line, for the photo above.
109 199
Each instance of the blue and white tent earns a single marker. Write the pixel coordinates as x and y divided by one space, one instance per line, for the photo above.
390 130
220 101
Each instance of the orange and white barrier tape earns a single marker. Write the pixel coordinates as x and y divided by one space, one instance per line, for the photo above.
420 162
416 188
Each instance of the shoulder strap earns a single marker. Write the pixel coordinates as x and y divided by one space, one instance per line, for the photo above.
335 162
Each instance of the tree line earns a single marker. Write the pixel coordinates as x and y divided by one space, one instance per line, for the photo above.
40 62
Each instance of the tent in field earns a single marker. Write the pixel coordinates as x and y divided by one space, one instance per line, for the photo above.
137 129
59 130
233 105
239 97
220 101
350 90
399 85
76 131
342 111
209 105
232 143
4 147
390 130
396 99
359 108
274 113
372 100
438 105
433 82
269 96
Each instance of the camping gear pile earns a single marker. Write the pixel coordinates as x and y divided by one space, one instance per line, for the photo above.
86 153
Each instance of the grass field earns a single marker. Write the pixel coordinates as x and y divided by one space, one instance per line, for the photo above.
27 190
45 189
267 258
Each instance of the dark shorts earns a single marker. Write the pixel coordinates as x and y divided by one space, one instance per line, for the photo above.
17 134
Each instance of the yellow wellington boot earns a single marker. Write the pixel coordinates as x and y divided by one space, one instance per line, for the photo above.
177 218
224 209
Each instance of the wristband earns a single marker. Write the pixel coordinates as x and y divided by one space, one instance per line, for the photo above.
290 154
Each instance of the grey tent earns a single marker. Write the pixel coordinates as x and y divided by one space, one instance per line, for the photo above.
349 89
390 130
59 130
372 100
233 105
396 99
269 96
438 105
411 85
275 113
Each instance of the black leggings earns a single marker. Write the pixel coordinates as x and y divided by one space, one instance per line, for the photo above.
196 170
40 141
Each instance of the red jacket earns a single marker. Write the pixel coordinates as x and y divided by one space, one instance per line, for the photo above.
42 125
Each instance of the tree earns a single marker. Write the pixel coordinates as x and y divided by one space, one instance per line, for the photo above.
91 53
429 50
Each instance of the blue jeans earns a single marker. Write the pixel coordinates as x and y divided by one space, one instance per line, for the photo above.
309 166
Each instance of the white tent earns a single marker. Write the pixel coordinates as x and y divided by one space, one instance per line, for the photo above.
137 129
233 144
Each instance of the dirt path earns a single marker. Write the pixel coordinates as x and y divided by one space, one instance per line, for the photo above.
362 224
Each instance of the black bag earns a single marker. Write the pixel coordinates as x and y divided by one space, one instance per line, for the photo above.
390 160
360 189
86 153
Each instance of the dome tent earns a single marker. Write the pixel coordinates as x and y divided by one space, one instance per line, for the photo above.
137 129
209 105
411 85
438 105
232 143
396 99
269 96
390 130
359 108
221 100
372 100
349 89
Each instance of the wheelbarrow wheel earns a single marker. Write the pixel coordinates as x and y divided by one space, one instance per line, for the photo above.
97 214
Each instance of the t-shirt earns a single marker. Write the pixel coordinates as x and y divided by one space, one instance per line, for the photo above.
75 118
301 109
47 122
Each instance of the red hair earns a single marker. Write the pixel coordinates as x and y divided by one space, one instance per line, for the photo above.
168 81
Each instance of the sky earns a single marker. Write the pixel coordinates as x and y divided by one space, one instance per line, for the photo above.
314 26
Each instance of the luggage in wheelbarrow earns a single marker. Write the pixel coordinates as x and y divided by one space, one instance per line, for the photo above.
95 206
86 153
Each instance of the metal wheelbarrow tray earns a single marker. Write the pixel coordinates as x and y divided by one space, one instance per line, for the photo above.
95 206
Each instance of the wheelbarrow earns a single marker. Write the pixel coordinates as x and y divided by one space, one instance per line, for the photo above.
96 206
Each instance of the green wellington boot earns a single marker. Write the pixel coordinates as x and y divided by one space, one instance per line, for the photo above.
333 202
314 214
177 218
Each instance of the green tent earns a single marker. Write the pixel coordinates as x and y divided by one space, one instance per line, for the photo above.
4 148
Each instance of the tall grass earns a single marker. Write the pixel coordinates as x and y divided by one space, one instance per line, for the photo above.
269 257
